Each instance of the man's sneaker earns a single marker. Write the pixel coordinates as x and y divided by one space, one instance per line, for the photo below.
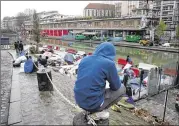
100 115
124 102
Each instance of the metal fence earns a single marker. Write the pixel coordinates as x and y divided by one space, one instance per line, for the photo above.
162 78
163 86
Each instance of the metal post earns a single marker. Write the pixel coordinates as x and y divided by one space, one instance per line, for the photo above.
141 79
165 105
177 76
160 74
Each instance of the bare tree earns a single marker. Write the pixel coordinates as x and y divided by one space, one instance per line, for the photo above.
36 29
20 20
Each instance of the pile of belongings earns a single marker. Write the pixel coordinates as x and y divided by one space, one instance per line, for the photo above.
129 79
22 58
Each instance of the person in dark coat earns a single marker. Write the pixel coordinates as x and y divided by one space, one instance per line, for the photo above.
16 47
21 47
39 59
44 61
128 59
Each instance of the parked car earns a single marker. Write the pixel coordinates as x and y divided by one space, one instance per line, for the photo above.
177 103
145 42
166 45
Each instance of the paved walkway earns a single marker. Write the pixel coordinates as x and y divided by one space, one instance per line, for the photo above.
6 77
35 107
155 105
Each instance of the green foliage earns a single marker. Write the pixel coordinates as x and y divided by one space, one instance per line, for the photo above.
161 28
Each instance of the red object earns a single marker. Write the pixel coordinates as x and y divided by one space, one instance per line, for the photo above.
57 48
55 32
90 53
71 51
136 71
123 62
171 72
49 47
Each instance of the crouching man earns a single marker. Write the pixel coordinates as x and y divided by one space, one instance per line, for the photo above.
93 72
29 65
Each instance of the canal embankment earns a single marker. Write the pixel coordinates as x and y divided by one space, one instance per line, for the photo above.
124 44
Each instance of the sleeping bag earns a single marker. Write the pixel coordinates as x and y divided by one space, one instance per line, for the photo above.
28 66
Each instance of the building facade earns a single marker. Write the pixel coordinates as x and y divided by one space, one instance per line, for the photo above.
118 9
168 10
109 26
99 10
124 8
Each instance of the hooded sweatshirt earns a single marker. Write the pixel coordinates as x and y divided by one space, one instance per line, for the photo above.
93 71
28 66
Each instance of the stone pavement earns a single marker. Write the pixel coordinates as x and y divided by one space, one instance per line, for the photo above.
6 77
37 108
155 105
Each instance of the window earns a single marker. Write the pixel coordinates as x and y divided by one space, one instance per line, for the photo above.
92 12
165 13
170 7
51 25
102 13
96 23
165 8
55 26
106 13
110 13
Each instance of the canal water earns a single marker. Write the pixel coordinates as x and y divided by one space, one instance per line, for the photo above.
138 55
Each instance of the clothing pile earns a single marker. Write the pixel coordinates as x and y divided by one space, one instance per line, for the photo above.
22 58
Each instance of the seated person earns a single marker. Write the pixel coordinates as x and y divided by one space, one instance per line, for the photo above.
39 59
128 60
93 72
129 72
28 66
44 61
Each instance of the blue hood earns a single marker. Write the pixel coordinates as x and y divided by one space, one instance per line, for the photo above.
106 49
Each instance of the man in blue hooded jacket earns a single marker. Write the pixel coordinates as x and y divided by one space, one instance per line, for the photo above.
93 72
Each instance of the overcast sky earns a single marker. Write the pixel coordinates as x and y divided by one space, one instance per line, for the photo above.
11 8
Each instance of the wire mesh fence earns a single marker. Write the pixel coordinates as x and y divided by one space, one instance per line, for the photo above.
162 78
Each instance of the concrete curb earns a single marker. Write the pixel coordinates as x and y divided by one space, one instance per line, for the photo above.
15 115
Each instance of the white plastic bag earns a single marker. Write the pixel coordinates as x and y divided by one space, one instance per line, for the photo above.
22 68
